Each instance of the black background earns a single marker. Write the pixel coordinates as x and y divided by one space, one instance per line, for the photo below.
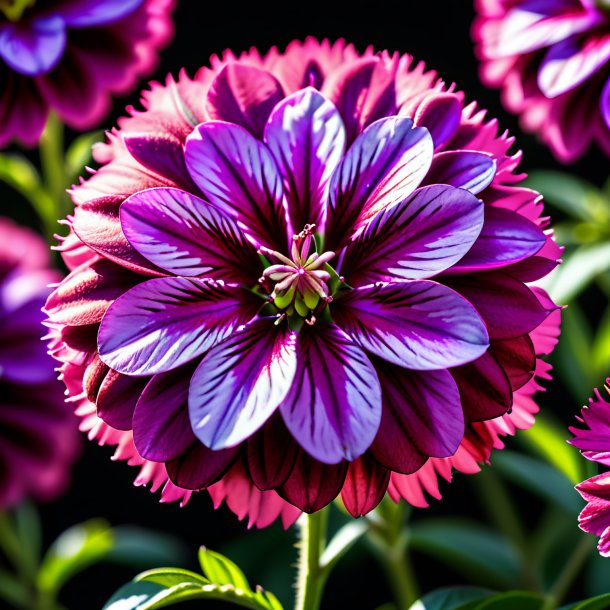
437 32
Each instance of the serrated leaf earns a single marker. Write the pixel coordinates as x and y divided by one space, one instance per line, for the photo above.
472 549
601 602
451 598
539 478
132 595
168 577
512 600
222 571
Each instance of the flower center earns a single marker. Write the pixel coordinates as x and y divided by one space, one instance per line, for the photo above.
14 9
301 282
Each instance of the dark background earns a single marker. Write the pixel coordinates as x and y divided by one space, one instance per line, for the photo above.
437 32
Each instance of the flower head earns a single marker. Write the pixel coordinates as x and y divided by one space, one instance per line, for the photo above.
38 435
306 272
594 442
552 61
70 56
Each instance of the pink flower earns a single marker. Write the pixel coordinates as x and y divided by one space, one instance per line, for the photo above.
264 298
71 56
551 58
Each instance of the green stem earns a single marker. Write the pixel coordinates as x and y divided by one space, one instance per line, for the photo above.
389 538
312 576
570 571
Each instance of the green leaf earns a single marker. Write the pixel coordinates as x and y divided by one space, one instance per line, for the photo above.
454 598
14 591
141 548
132 596
79 154
342 542
76 549
548 439
601 346
572 195
168 577
221 571
29 534
601 602
472 549
539 478
512 600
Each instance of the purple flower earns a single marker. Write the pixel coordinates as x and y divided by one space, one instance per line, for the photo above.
38 435
313 264
594 442
552 60
70 56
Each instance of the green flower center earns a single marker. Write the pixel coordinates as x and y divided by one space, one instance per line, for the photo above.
14 9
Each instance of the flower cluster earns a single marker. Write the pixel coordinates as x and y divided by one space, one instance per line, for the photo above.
594 442
69 56
552 60
38 433
303 275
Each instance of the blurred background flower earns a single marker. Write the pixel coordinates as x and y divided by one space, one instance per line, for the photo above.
71 57
551 58
38 434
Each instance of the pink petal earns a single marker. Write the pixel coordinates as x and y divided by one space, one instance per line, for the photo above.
365 485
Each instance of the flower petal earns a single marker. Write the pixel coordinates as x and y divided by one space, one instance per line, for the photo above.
241 382
161 427
305 133
518 359
165 322
422 417
188 236
244 95
385 164
117 398
506 238
419 325
95 13
312 485
571 62
333 408
237 174
466 169
365 485
440 114
605 103
419 237
34 46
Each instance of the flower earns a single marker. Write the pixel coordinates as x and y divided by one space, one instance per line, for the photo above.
38 435
306 272
551 60
594 442
70 56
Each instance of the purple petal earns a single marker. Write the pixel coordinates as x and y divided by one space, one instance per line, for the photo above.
510 309
237 174
484 388
162 154
166 322
117 398
188 236
95 13
200 467
440 114
518 359
419 237
571 62
34 46
244 95
422 417
470 170
384 165
333 408
506 238
161 427
240 383
365 485
419 325
312 485
305 133
605 103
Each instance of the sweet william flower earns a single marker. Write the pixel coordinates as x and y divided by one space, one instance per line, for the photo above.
38 432
70 56
551 58
306 272
594 442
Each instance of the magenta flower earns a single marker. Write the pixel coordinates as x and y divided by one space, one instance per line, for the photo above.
302 275
70 56
552 60
594 442
38 436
